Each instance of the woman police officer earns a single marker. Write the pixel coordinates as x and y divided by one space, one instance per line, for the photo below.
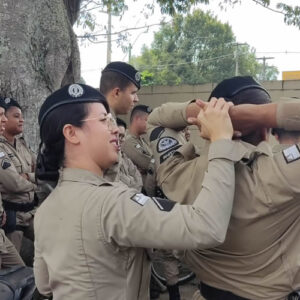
91 235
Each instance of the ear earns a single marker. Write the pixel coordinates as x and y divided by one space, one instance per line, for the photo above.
70 133
116 91
264 134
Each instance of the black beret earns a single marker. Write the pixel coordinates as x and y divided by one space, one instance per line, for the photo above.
6 103
144 108
125 69
72 93
2 104
234 85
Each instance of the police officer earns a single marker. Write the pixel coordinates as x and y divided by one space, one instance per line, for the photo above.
17 178
259 259
94 244
9 256
119 84
138 150
129 173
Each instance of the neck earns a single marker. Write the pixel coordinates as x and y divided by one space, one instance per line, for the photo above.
111 104
83 164
10 138
133 130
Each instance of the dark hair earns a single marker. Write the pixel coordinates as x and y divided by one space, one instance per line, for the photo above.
282 133
120 122
51 151
251 96
110 80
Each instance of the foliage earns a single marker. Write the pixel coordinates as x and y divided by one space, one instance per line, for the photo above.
196 49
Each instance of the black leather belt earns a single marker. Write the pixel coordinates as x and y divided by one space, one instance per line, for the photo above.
24 207
211 293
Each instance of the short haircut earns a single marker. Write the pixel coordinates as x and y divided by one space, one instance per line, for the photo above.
140 110
110 80
121 123
282 133
251 96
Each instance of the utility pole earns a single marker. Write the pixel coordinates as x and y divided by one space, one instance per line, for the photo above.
108 49
264 65
236 57
129 52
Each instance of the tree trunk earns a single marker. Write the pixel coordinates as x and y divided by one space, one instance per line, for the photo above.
38 54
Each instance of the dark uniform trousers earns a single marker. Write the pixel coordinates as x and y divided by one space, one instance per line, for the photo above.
211 293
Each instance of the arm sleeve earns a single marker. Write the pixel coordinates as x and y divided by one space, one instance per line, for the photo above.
10 178
147 222
171 115
288 116
41 272
135 152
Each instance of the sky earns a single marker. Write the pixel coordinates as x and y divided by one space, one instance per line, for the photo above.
251 23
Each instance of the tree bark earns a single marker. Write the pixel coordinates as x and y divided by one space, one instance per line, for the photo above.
38 54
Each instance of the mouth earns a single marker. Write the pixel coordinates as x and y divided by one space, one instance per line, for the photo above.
115 143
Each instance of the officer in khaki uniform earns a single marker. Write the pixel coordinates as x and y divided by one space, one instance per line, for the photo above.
129 173
138 150
94 244
8 254
17 179
259 259
119 84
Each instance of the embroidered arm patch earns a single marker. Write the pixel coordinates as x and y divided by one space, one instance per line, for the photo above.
166 143
140 199
163 204
5 164
291 154
156 133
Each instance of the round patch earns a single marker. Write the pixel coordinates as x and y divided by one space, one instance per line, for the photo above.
75 90
137 76
7 100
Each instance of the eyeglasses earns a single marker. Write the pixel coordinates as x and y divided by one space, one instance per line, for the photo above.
108 119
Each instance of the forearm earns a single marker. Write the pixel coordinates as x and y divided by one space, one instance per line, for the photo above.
248 117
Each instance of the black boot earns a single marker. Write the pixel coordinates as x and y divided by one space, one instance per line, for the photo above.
173 292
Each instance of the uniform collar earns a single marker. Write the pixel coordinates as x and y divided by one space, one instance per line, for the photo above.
81 175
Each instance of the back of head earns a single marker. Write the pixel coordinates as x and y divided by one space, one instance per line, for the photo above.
244 90
67 105
241 90
119 74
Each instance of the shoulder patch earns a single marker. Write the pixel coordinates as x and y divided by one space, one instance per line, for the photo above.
168 154
291 154
5 164
156 133
140 198
163 204
166 143
2 154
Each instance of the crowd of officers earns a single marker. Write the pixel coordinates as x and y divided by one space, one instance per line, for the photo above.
259 258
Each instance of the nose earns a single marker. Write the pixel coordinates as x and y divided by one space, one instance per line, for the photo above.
136 98
115 130
4 119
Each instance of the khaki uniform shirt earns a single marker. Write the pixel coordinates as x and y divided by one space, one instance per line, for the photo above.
129 173
140 153
13 187
260 256
94 244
